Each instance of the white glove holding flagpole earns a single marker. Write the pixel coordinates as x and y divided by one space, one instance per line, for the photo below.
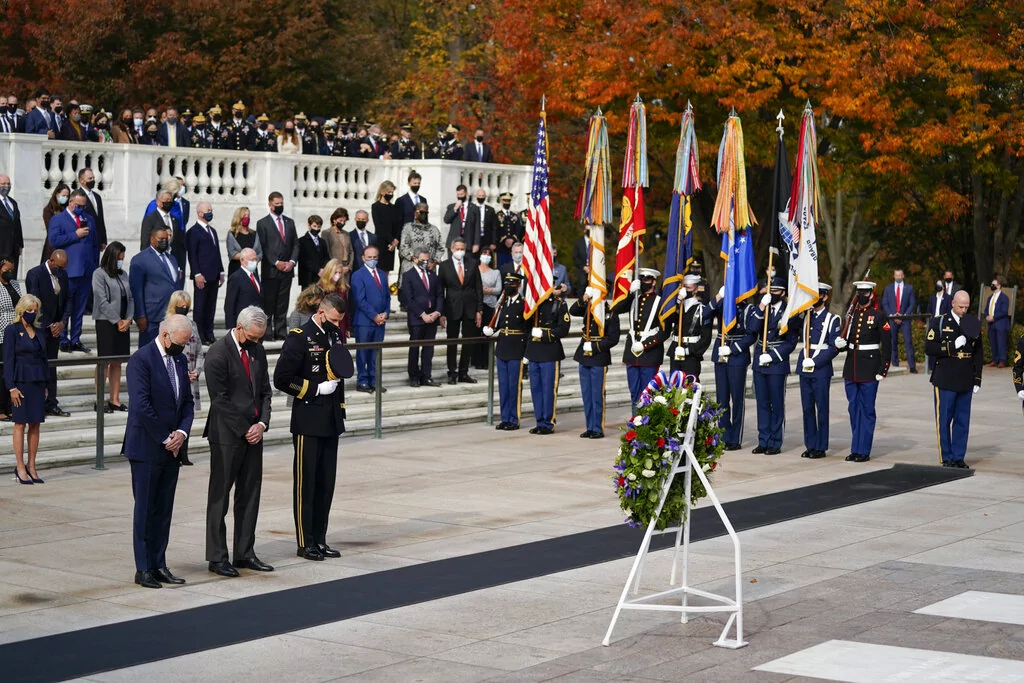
879 378
537 333
840 343
977 389
488 331
680 353
721 293
591 293
637 348
766 300
682 294
634 286
764 359
724 351
1020 394
808 365
588 347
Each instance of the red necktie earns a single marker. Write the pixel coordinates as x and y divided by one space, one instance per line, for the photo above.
78 221
423 275
254 283
899 291
375 278
280 227
245 364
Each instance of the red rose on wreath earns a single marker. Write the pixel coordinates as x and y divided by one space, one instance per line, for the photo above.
622 481
714 466
661 443
630 435
675 411
709 440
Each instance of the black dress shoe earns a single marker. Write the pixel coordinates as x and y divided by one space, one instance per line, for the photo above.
806 454
913 371
147 580
732 446
597 435
254 564
414 383
429 383
512 426
501 426
310 553
452 379
365 388
185 462
65 347
959 464
945 463
814 455
382 390
57 411
772 451
223 568
80 347
543 431
466 379
586 434
328 551
759 449
164 575
535 430
852 457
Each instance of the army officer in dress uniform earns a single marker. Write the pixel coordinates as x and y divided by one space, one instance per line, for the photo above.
312 363
509 323
820 331
866 338
594 356
692 329
772 366
731 357
509 231
954 340
645 339
549 323
240 133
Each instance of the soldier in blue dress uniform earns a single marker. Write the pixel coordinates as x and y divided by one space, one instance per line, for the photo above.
731 356
866 336
691 335
510 325
820 331
550 322
645 339
594 356
954 340
772 366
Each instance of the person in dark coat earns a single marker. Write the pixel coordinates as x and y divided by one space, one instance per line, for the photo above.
594 355
420 294
544 351
772 349
49 283
387 225
997 315
203 247
814 365
463 308
313 252
277 236
12 239
244 288
25 374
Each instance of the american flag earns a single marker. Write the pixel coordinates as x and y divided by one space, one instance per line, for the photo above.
537 246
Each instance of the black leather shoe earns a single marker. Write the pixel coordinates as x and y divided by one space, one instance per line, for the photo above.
65 347
960 464
913 371
164 575
382 390
147 580
328 551
852 457
123 407
535 430
586 434
223 568
501 426
732 446
759 449
185 461
815 455
806 454
414 383
543 431
452 379
597 435
772 451
310 553
57 411
254 564
945 463
366 389
512 426
466 379
80 347
429 383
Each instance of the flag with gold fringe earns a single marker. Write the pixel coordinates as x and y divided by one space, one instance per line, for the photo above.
797 225
594 210
679 251
632 222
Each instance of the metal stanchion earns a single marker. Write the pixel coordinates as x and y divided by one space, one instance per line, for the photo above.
377 400
490 385
101 371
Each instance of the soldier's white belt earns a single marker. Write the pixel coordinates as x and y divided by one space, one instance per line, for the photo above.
685 340
820 347
865 347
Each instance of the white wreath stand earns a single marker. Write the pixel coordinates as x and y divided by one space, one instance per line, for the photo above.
685 463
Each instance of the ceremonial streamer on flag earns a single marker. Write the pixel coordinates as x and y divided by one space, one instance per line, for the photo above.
734 221
537 245
594 209
632 223
679 253
797 226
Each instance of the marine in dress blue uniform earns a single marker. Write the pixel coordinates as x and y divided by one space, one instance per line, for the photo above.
954 339
997 314
771 367
645 338
820 331
594 356
511 327
691 335
731 356
867 340
550 322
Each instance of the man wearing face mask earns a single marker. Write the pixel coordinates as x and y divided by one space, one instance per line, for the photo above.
313 252
594 357
478 150
218 131
240 133
370 300
508 230
171 132
691 332
898 301
42 121
10 120
200 137
311 367
419 236
771 366
244 287
509 323
277 236
94 207
49 283
646 335
160 412
408 201
310 145
405 147
161 214
463 220
420 294
207 268
463 308
867 340
549 324
948 284
487 220
997 315
731 355
814 364
515 265
72 231
264 140
12 238
153 277
360 237
331 146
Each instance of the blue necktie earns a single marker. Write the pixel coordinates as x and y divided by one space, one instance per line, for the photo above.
172 374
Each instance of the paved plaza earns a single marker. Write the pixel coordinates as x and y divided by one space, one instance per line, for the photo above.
928 582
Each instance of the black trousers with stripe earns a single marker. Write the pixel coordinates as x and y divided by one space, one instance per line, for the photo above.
314 472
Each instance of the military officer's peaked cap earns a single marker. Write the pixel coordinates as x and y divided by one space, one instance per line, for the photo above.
650 273
778 283
238 105
824 288
863 284
506 195
301 117
691 280
339 362
406 126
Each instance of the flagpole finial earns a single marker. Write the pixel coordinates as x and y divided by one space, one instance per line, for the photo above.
807 107
543 102
732 113
779 129
638 100
598 112
689 106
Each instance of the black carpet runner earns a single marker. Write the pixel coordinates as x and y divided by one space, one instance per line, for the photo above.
130 643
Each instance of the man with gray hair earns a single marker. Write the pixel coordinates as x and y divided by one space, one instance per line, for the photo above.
238 380
244 287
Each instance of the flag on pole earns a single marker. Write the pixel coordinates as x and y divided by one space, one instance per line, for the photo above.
537 244
781 185
734 221
632 223
798 224
679 252
594 209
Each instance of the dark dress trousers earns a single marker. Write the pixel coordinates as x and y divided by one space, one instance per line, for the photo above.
204 259
39 283
313 254
418 299
277 284
462 301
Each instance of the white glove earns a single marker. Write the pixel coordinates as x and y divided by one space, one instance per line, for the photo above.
327 388
588 347
591 293
879 378
764 359
637 348
766 300
537 333
840 343
1020 394
808 365
681 295
960 342
724 351
721 293
488 331
634 286
977 389
680 353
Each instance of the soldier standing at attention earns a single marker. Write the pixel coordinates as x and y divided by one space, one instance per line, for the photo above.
310 145
693 334
544 352
218 131
405 147
866 337
594 356
312 363
731 357
954 340
510 230
646 337
820 331
772 366
510 326
240 133
200 137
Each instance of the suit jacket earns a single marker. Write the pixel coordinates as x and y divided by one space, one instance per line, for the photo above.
204 253
164 133
241 294
12 238
23 360
468 229
1002 311
487 225
98 218
418 299
312 258
408 208
12 123
154 412
907 303
357 246
470 153
83 252
461 300
367 298
178 251
38 283
937 307
152 285
73 132
181 209
37 124
236 403
274 248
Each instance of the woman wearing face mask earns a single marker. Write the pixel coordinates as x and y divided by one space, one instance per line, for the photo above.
333 281
25 374
58 202
73 129
180 303
100 131
387 223
124 131
490 279
149 134
10 293
419 236
289 142
241 236
113 309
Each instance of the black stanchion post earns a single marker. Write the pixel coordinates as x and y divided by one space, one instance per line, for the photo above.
490 385
377 399
101 369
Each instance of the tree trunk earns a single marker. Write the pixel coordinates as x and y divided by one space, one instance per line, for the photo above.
982 231
849 251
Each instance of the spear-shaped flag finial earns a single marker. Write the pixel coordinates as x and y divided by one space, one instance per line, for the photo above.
732 113
779 129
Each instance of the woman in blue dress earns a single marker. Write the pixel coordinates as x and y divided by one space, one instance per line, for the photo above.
26 373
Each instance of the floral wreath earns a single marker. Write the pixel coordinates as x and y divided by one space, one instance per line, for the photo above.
652 444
